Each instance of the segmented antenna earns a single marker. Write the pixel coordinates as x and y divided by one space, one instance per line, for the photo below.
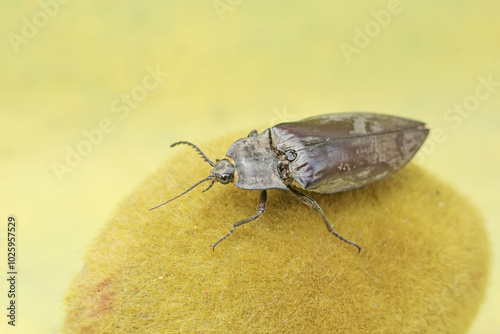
170 200
197 149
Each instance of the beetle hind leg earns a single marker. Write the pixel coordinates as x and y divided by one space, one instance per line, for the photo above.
312 203
261 207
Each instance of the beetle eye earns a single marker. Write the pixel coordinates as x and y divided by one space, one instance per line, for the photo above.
223 178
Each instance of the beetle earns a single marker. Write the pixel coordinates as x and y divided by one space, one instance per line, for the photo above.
325 154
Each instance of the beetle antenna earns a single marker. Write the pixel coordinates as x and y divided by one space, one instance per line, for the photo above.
197 183
197 149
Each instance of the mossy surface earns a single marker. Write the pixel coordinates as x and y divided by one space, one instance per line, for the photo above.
423 267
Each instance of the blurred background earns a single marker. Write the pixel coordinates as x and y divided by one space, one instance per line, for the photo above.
92 94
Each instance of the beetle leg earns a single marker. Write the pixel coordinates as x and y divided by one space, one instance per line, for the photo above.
312 203
261 207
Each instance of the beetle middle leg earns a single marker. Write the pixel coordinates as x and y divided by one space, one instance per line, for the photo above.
312 203
261 207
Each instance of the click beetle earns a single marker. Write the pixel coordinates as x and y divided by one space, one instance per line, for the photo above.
324 154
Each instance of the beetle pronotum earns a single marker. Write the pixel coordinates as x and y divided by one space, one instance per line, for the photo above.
325 154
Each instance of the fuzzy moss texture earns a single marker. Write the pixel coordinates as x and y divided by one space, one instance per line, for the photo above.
423 267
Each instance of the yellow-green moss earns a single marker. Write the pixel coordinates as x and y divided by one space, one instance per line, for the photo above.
423 267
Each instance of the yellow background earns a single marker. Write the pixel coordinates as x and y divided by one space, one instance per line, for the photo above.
250 64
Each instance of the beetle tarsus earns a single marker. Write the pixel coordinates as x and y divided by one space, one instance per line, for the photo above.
261 207
344 239
312 203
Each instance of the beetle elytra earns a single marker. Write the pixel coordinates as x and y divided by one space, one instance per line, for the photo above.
325 154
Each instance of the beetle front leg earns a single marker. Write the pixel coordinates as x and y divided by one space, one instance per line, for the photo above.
261 207
312 203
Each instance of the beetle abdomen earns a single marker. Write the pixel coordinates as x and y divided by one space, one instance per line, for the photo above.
337 152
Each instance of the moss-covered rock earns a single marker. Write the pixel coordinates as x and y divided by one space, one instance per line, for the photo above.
423 267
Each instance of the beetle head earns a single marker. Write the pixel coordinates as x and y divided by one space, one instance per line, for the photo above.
223 172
